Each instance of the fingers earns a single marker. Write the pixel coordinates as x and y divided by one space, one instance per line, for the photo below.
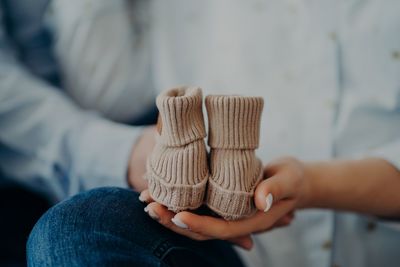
159 213
145 196
285 220
272 190
221 229
204 225
262 221
200 227
165 217
245 242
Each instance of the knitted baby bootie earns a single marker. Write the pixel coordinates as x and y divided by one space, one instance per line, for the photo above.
177 170
234 129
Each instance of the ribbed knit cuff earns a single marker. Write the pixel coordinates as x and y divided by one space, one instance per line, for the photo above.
233 205
176 197
181 116
177 176
234 121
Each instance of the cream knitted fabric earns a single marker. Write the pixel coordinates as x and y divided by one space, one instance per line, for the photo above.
234 129
177 170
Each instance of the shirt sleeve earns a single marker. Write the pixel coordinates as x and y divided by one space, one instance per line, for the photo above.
389 152
50 144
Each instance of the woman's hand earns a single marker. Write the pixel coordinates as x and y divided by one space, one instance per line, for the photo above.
289 185
285 182
137 163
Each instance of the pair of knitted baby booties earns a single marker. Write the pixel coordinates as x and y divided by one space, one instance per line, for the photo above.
180 174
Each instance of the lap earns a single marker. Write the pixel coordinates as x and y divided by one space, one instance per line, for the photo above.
108 227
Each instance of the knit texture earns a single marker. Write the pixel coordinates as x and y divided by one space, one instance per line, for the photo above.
177 170
234 129
234 121
181 116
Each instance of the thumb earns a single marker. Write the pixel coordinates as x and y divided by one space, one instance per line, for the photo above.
271 190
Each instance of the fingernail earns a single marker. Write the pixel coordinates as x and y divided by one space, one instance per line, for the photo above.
179 223
152 214
141 199
269 200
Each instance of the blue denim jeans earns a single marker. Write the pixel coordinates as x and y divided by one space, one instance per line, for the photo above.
108 227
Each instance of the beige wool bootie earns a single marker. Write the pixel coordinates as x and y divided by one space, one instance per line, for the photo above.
177 170
234 129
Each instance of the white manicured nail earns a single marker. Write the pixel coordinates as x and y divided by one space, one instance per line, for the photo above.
269 200
179 223
141 198
151 213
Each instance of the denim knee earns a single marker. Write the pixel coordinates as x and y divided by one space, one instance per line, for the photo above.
104 215
108 227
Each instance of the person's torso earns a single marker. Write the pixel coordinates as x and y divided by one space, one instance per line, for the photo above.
330 75
88 49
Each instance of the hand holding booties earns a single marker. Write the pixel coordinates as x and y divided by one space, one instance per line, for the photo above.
178 171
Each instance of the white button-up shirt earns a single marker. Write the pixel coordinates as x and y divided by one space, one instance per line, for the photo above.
330 75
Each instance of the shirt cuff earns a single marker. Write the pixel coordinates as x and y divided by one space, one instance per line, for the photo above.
389 152
102 152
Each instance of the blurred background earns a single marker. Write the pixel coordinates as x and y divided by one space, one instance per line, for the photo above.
77 77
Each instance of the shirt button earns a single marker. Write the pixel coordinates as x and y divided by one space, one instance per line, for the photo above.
327 245
396 55
329 103
288 76
333 36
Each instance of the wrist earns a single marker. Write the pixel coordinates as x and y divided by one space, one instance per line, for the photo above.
314 190
137 164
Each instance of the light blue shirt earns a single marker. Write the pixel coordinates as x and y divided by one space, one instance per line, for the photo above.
329 72
47 142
